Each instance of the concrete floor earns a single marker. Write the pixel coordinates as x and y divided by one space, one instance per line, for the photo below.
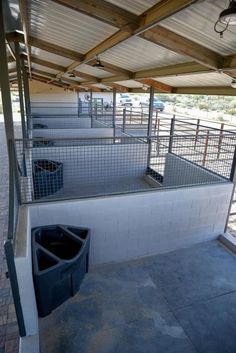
123 185
180 302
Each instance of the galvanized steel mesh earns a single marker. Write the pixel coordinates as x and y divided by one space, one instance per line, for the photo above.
54 169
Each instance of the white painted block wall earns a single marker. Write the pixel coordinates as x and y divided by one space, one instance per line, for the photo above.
129 226
179 171
64 122
122 228
58 103
73 133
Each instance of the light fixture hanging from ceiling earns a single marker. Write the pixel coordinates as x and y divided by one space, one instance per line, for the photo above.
98 63
227 18
233 83
71 74
144 87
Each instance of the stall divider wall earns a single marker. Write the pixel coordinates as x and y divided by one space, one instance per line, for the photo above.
73 133
123 227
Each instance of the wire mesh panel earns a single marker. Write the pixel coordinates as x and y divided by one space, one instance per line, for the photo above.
71 168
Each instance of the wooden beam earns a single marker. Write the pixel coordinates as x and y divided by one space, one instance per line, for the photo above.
212 90
157 85
103 11
91 87
86 76
71 82
152 16
43 73
118 87
108 43
160 11
115 78
42 79
49 64
55 49
25 25
140 23
42 44
181 45
170 70
13 70
10 59
229 63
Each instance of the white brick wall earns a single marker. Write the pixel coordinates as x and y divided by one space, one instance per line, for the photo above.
129 226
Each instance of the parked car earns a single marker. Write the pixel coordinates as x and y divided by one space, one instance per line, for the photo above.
157 104
126 100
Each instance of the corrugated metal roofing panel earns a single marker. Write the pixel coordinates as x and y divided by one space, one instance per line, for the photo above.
136 54
197 23
135 6
11 65
130 84
197 80
44 68
93 71
63 26
102 86
45 55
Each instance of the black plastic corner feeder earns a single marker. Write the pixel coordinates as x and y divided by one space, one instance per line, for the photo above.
47 176
60 262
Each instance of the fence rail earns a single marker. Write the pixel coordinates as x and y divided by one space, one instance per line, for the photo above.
65 168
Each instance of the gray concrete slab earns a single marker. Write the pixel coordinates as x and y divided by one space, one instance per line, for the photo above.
194 274
211 325
176 302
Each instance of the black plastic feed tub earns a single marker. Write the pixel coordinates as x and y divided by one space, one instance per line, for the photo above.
47 177
60 261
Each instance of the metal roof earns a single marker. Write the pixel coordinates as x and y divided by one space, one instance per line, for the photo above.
45 55
11 65
197 23
63 26
200 80
43 68
135 6
136 54
93 71
130 84
102 86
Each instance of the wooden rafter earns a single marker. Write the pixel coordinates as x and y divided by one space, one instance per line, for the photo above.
181 45
13 70
166 7
25 22
43 73
85 76
129 24
104 11
119 88
46 63
157 85
212 90
42 44
177 69
160 11
43 79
